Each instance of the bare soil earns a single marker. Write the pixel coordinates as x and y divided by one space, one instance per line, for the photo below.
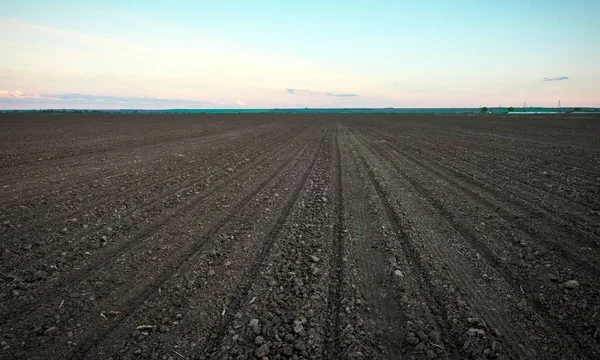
244 236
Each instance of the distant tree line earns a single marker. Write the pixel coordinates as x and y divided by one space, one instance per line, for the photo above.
56 111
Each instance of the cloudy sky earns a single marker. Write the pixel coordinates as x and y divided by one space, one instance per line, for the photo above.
267 54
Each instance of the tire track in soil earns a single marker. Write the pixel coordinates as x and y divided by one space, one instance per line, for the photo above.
52 214
413 258
259 261
336 280
18 310
539 199
154 200
186 258
196 297
497 149
381 301
124 147
457 150
537 204
86 178
468 235
590 262
114 195
445 144
587 261
482 307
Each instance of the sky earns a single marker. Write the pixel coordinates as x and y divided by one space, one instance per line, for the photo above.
295 54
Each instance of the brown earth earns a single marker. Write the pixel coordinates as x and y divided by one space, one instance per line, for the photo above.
299 237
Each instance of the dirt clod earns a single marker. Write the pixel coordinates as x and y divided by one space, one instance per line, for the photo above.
262 351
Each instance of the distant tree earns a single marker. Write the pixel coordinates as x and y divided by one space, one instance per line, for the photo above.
511 109
577 109
484 109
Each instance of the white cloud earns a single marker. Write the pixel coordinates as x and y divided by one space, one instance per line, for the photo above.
240 103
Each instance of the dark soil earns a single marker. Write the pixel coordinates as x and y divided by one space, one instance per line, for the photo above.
299 237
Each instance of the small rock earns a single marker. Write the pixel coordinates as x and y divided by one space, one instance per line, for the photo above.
495 346
255 326
262 351
597 333
489 353
228 263
259 340
163 328
314 258
287 351
51 331
27 246
434 335
529 257
211 272
398 273
570 284
413 340
298 328
476 332
40 275
553 277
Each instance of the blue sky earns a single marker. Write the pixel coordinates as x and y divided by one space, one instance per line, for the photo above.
257 54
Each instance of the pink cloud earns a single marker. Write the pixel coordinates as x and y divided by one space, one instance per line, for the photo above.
17 94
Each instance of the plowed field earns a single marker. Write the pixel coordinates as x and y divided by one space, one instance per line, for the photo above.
244 236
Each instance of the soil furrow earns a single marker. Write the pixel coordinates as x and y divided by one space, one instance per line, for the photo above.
414 260
145 233
117 197
489 256
201 292
506 209
299 236
489 182
115 188
241 292
135 296
336 280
